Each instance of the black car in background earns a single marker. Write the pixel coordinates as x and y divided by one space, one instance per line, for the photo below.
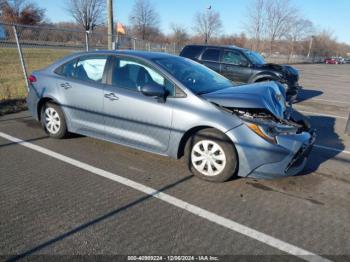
243 65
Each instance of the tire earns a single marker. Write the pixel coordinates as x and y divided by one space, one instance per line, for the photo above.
264 80
217 162
53 120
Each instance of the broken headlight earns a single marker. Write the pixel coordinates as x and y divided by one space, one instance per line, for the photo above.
270 130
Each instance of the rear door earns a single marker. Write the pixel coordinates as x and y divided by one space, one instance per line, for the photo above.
235 66
211 59
80 85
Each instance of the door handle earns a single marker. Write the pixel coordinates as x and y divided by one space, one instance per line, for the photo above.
66 85
111 96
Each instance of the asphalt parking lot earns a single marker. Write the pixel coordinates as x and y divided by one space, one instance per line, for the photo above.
82 196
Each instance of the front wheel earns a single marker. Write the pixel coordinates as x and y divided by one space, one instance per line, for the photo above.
211 156
53 121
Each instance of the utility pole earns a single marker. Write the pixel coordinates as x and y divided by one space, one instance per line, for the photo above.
310 46
110 24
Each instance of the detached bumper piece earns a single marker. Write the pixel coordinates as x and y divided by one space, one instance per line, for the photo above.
300 157
291 165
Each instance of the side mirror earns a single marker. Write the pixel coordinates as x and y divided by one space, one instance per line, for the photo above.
154 89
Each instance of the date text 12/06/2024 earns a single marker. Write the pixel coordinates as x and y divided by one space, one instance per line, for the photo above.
173 258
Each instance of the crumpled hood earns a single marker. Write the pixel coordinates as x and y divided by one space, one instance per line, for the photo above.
289 70
264 95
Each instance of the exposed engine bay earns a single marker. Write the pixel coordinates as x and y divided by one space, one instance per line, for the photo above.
270 123
262 108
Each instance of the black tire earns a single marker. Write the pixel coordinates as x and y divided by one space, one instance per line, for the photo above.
231 164
264 80
62 129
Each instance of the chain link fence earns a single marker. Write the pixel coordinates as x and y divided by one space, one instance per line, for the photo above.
295 59
37 47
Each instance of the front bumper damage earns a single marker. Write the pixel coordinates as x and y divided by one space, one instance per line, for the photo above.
293 163
260 159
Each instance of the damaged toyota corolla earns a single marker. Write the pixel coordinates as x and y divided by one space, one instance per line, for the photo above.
173 106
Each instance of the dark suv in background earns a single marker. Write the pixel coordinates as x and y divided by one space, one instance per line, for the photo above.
243 65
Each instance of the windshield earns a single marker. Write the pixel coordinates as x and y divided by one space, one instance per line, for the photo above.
255 58
196 77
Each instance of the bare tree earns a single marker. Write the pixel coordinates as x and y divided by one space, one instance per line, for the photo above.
144 19
207 24
256 22
325 44
279 14
87 13
298 30
237 40
21 12
180 35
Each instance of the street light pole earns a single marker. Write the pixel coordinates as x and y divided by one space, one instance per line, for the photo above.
207 24
110 23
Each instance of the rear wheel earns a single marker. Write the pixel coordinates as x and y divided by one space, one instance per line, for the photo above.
211 156
53 121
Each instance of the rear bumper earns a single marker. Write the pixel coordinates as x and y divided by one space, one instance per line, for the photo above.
32 103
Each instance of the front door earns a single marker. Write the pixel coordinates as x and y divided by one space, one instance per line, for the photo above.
132 118
235 66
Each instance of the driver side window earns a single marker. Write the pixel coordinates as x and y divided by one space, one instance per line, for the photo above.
131 74
235 58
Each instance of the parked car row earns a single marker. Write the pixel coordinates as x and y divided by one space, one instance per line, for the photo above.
337 60
174 106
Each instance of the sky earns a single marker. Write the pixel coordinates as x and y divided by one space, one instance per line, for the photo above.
331 15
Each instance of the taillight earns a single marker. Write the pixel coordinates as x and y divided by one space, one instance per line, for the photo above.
32 79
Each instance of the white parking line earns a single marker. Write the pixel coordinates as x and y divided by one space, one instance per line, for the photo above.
313 113
210 216
332 149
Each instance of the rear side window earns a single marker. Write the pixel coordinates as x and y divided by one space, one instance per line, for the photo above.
67 69
211 55
89 68
191 52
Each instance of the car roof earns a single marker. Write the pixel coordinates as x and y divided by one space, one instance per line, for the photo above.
132 53
141 54
221 46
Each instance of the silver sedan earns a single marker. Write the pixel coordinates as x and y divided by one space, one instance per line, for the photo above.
173 106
